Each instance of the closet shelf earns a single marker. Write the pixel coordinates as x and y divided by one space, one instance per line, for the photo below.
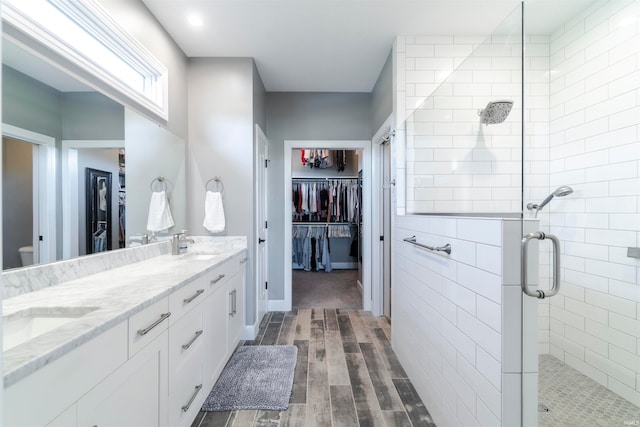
323 223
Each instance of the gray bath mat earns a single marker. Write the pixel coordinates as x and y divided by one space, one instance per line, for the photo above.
256 377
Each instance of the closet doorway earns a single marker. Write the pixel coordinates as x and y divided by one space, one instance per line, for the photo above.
327 248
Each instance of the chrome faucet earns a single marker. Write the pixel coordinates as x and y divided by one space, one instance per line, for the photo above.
178 239
142 238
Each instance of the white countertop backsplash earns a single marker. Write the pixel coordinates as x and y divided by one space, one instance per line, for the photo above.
117 292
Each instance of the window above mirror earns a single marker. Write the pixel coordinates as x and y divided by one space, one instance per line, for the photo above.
96 48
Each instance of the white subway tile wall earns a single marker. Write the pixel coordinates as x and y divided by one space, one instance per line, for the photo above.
449 316
454 163
595 148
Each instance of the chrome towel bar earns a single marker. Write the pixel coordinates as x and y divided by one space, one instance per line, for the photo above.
446 248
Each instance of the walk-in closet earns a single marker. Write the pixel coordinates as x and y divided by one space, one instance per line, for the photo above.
326 223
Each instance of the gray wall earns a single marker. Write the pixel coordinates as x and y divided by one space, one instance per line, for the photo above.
17 199
104 160
29 104
304 116
382 96
140 23
153 151
91 116
221 124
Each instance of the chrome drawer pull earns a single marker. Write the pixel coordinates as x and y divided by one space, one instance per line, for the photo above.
146 330
192 340
186 407
217 279
194 296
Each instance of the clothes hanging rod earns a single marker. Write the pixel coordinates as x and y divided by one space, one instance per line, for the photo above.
326 178
323 223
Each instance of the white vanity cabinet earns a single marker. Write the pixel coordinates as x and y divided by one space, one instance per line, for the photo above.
134 395
154 369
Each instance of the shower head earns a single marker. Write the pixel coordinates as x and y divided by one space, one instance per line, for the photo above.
495 112
562 191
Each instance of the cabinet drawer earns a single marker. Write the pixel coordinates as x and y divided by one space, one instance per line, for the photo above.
221 274
186 342
187 297
187 395
147 325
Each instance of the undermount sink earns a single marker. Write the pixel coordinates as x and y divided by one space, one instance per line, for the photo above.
27 324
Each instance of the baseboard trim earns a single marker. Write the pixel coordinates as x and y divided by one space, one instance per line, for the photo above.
250 332
278 305
360 286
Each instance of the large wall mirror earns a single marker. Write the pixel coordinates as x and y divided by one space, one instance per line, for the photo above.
55 129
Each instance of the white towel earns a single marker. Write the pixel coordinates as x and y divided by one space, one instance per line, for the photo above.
159 212
213 212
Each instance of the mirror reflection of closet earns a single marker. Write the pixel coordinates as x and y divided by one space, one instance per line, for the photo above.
98 211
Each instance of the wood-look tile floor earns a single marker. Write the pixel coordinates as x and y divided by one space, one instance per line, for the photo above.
346 374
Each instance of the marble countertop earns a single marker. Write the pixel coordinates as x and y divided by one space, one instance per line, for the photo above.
116 294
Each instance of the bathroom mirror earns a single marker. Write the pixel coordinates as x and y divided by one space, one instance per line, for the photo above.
64 127
98 211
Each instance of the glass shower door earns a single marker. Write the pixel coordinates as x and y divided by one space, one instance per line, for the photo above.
581 346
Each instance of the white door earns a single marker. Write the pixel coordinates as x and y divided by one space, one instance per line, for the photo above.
262 224
386 228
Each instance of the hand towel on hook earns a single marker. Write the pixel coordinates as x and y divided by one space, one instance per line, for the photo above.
214 212
159 212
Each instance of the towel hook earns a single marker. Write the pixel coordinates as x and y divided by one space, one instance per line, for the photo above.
218 182
161 180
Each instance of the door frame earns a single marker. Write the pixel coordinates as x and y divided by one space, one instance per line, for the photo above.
70 186
377 220
45 218
260 198
365 147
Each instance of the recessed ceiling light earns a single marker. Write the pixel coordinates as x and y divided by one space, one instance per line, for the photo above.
194 20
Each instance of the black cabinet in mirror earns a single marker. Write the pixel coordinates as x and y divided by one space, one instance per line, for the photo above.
98 210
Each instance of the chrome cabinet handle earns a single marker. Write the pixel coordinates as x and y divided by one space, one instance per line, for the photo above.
242 261
194 296
555 287
231 304
146 330
446 248
192 340
186 407
217 279
235 301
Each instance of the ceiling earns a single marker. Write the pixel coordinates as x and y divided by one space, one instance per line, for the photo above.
314 45
330 45
318 45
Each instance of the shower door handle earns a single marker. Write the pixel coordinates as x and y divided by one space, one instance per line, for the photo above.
556 265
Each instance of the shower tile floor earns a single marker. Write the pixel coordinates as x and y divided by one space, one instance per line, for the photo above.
576 400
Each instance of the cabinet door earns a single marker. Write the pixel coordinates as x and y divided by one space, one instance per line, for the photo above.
236 310
134 395
215 326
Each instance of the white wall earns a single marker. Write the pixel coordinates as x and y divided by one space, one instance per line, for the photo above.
453 325
454 163
595 148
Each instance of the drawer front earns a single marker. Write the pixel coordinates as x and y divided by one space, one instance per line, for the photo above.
187 338
186 396
187 297
221 274
145 326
